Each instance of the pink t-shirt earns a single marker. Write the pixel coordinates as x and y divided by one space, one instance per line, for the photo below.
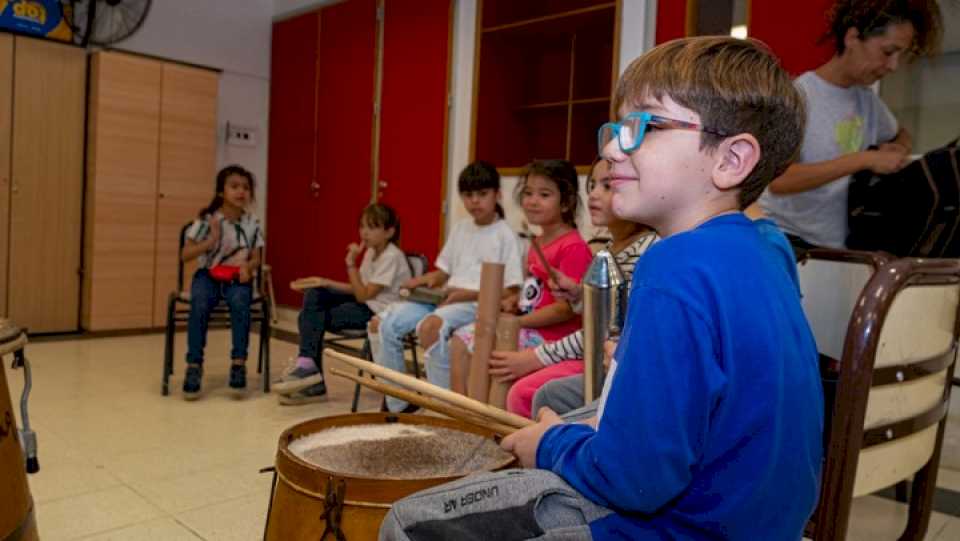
568 254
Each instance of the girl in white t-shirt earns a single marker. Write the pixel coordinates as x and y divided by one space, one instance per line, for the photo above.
484 238
334 306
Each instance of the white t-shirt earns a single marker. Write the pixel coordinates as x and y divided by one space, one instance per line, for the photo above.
839 121
470 245
389 269
237 239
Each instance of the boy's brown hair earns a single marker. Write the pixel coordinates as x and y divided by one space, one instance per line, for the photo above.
736 86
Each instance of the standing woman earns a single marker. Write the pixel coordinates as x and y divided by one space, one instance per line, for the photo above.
845 117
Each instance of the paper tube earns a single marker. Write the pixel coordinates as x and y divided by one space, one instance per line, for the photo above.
508 331
485 330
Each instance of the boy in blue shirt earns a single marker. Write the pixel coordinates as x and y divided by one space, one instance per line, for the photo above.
711 419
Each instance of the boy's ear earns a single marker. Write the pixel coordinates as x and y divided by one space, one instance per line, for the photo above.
737 156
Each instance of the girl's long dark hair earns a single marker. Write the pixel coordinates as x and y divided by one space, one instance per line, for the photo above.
564 175
222 177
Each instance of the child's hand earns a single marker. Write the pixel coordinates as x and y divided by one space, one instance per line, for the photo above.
609 347
565 288
244 275
507 366
353 251
524 442
455 295
509 305
215 231
414 282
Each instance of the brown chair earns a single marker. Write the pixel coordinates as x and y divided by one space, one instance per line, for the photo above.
887 395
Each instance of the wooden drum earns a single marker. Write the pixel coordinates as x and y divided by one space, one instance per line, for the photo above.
343 473
16 505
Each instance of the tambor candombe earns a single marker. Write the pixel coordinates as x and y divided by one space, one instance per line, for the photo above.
16 505
343 473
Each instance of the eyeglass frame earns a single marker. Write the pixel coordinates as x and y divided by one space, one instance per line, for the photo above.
646 119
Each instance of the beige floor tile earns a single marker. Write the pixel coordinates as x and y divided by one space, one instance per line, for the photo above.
202 489
242 519
878 519
949 532
59 479
94 512
165 529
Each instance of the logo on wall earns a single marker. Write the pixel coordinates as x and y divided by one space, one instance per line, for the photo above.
35 17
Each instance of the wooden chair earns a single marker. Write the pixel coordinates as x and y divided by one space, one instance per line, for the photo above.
888 394
178 311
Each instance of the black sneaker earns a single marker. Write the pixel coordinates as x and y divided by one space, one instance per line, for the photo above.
238 377
314 393
191 382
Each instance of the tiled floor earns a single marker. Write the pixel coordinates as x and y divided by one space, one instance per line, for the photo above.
119 461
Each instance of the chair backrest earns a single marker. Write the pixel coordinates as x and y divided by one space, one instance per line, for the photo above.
893 391
418 263
831 282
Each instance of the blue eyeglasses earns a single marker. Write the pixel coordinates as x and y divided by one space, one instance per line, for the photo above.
629 132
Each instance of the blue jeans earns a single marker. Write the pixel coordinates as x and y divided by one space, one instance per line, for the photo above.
205 294
402 317
328 310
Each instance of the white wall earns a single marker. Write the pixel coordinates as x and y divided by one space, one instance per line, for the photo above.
638 19
231 36
283 9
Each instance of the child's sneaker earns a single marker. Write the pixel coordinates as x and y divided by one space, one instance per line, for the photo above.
191 382
297 379
314 393
238 377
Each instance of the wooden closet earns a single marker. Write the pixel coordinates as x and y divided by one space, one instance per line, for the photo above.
42 86
150 167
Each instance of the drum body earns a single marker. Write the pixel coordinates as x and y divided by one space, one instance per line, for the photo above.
16 506
307 497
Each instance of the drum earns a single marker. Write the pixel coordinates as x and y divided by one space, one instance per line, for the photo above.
16 505
338 476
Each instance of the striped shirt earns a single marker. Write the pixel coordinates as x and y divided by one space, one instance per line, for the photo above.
237 239
571 345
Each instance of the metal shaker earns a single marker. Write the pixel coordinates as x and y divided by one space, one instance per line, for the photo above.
604 310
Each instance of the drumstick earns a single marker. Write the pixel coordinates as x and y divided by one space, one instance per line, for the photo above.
474 406
426 402
306 283
543 259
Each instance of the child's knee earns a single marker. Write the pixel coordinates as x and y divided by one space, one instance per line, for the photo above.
428 332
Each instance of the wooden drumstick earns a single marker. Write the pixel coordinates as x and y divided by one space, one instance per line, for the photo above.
508 332
485 330
537 250
426 402
474 406
306 283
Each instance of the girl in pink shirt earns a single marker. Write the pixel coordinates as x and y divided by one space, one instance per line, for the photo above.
548 193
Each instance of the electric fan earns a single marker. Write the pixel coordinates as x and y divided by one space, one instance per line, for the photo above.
105 22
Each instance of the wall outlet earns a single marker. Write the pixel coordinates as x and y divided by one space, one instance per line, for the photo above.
241 136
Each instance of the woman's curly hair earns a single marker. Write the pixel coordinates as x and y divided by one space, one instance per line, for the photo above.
872 17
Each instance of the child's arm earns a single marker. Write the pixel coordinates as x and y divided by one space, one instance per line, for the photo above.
460 295
248 268
193 249
361 291
431 279
558 312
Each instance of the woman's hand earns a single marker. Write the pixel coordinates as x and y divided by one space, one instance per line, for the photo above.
353 251
507 366
888 159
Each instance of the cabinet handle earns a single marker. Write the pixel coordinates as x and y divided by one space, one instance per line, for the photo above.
160 196
382 183
15 188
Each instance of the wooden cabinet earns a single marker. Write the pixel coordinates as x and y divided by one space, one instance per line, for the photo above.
358 112
42 94
544 76
151 159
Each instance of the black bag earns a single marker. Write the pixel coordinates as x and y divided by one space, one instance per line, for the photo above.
914 212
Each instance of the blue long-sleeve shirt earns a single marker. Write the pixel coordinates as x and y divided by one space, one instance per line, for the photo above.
712 427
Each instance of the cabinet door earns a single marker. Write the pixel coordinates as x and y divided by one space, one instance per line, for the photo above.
121 203
6 97
45 218
186 177
414 101
292 151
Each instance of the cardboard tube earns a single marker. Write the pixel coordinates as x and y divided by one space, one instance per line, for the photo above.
481 409
485 330
508 332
